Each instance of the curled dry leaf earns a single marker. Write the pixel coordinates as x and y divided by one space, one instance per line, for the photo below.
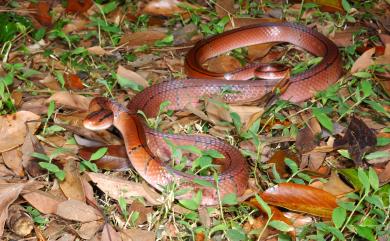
69 100
44 202
109 234
98 51
117 188
131 76
77 211
363 61
72 186
13 128
74 82
8 194
19 221
42 12
301 198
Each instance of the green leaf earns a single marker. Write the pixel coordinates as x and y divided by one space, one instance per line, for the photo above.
203 182
122 205
40 156
362 74
352 176
60 175
49 166
109 7
324 120
98 154
235 235
163 106
213 153
382 141
167 41
236 121
192 149
291 164
338 216
51 109
39 34
365 232
264 206
128 84
347 7
344 153
90 165
279 225
364 180
374 180
189 204
377 154
60 78
230 199
366 88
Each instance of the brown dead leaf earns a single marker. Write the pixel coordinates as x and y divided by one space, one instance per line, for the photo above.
385 38
259 50
50 82
140 38
8 194
143 211
117 188
109 234
74 82
132 76
37 106
248 114
237 22
278 159
336 186
384 176
72 186
42 12
363 61
70 100
359 138
31 144
224 8
135 234
78 6
98 51
76 25
13 128
88 230
301 198
216 110
13 160
77 211
223 64
164 7
44 202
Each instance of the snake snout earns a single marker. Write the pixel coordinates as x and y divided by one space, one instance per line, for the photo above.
99 120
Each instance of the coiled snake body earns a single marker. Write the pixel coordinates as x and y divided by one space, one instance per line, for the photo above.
144 145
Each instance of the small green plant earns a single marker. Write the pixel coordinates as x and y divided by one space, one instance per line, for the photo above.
37 217
88 164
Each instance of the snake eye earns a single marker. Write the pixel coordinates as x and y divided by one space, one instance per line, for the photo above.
99 120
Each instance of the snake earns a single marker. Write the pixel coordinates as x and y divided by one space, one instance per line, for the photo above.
148 148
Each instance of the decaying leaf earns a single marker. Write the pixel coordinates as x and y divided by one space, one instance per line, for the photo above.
44 202
42 13
358 138
72 186
8 194
13 128
13 160
69 100
135 234
363 61
119 188
109 233
88 230
140 38
336 186
77 211
301 198
224 8
131 76
223 64
78 6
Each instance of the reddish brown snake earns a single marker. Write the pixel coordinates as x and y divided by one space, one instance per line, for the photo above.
144 145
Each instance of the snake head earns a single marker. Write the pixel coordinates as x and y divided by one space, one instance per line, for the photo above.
101 116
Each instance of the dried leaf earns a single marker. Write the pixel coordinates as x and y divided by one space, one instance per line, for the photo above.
13 160
98 50
278 159
109 234
74 82
44 202
384 176
163 7
42 12
115 159
134 234
77 6
77 211
140 38
69 100
301 198
72 186
13 128
358 138
259 50
88 230
224 8
363 61
131 76
223 64
119 188
143 211
336 186
8 194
